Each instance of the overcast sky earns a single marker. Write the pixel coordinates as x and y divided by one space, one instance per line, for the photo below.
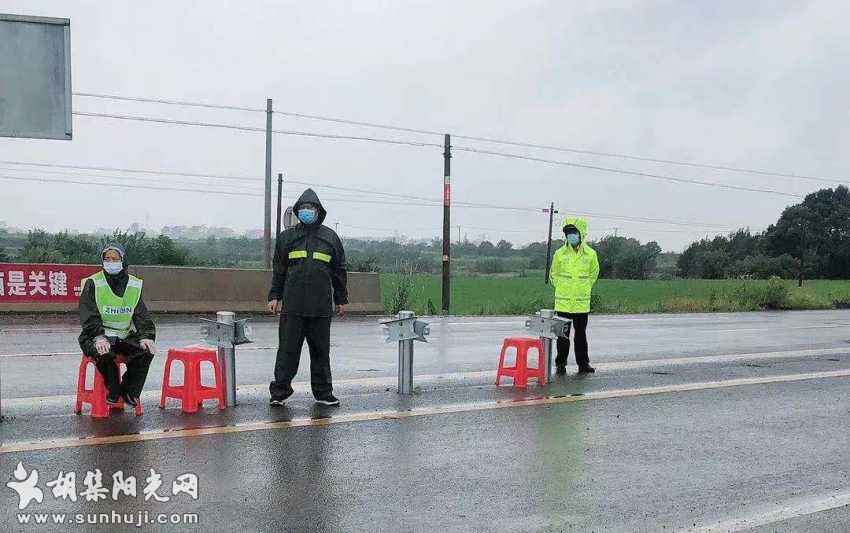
752 84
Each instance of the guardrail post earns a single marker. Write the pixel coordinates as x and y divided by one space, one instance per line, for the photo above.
548 327
227 360
547 345
405 329
405 360
226 333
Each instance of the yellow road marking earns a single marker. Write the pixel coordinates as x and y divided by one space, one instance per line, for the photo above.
398 415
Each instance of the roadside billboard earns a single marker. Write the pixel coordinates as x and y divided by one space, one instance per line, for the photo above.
35 77
42 283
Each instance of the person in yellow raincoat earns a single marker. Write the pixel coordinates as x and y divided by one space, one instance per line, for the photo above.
575 269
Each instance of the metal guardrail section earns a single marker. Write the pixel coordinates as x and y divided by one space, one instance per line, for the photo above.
222 334
405 329
548 327
226 333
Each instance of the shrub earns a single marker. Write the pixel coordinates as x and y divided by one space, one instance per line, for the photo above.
490 266
776 294
402 293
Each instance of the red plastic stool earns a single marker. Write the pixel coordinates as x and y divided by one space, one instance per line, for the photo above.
192 394
520 371
96 396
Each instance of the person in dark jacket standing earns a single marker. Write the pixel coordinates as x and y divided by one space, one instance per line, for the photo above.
309 283
115 321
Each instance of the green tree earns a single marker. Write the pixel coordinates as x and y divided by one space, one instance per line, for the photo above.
486 248
504 247
43 247
626 258
816 233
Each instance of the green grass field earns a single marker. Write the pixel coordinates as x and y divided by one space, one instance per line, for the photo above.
487 295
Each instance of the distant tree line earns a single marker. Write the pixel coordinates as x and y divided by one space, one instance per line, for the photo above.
810 240
620 257
67 248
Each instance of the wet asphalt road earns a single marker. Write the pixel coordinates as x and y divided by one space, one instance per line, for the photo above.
694 441
456 345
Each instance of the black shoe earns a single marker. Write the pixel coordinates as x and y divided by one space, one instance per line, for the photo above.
561 370
330 399
113 399
130 400
586 370
279 399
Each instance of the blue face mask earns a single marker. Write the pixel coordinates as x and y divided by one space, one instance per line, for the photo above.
308 216
573 239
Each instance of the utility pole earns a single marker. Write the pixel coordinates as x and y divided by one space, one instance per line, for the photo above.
279 205
336 225
267 226
549 241
447 203
616 230
458 234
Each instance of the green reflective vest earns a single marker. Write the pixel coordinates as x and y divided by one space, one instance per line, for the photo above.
116 312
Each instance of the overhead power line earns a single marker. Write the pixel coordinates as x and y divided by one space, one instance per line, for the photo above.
198 191
625 172
134 179
253 129
296 181
183 103
355 201
132 170
709 166
124 185
522 144
672 179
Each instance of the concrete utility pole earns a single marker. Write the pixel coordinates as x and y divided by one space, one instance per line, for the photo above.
279 205
552 212
267 226
447 203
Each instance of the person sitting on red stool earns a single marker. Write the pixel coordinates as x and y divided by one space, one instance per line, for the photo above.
115 322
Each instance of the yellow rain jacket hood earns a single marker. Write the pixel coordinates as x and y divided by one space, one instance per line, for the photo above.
574 272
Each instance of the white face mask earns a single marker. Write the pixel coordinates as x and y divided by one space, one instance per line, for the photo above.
113 267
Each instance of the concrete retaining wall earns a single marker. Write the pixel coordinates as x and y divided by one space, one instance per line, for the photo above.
204 290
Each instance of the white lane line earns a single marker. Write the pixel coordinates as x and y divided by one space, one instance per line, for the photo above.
163 348
517 323
159 434
772 329
46 354
786 510
387 381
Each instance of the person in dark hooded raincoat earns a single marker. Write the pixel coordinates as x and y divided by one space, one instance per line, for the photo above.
115 321
309 284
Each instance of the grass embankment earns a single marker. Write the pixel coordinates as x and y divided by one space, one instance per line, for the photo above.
487 295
